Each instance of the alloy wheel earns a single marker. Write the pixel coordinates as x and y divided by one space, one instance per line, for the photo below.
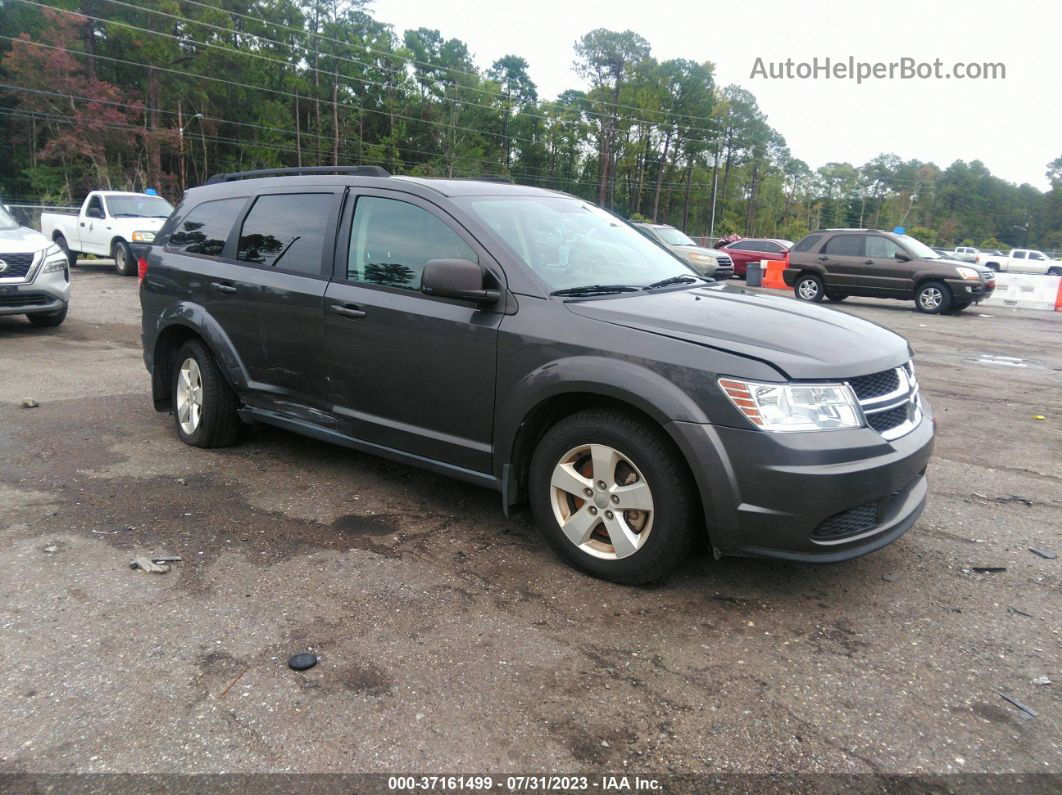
189 396
808 289
931 298
601 501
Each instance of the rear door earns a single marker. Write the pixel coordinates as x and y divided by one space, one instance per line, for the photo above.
409 371
843 259
1017 261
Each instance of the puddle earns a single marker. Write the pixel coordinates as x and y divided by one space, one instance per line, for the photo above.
1006 361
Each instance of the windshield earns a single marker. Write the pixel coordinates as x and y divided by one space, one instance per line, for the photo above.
6 221
139 207
918 248
570 243
673 237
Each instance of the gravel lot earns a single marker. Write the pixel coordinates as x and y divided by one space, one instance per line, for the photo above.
452 640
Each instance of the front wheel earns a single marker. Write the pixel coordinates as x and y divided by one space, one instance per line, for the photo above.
958 306
1054 271
204 405
933 298
612 496
49 320
71 256
123 259
808 287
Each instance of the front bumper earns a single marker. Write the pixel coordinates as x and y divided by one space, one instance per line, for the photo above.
824 496
965 290
44 294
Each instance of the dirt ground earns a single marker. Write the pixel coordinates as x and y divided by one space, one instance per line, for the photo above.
452 640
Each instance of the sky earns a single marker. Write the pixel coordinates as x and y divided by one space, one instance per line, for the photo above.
1013 125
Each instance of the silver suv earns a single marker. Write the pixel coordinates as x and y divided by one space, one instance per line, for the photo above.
709 262
34 274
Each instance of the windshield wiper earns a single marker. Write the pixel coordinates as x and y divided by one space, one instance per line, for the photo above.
597 289
684 278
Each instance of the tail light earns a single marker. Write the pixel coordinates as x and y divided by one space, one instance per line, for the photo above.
141 269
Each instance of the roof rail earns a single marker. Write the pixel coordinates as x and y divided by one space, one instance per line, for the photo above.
503 180
349 171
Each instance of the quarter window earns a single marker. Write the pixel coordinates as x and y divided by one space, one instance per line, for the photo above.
206 228
391 241
882 248
286 232
845 246
807 243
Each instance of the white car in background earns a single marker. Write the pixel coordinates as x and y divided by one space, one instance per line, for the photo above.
1022 260
34 274
107 223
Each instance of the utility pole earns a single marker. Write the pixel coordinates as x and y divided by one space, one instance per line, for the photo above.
715 190
180 146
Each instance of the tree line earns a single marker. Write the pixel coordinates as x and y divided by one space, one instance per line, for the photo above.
163 93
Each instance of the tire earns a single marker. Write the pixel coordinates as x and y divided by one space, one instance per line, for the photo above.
834 298
71 256
123 259
808 287
1054 271
215 423
633 451
958 306
49 320
992 266
933 298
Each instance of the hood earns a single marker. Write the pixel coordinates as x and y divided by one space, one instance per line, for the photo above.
801 340
710 252
22 241
147 224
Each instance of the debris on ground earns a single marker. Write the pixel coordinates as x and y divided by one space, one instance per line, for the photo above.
1047 554
988 569
1015 498
51 549
302 662
1019 612
158 565
1039 417
1041 680
30 403
1032 713
892 576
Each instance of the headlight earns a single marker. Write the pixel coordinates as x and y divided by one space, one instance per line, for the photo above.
54 259
143 237
969 274
795 407
704 259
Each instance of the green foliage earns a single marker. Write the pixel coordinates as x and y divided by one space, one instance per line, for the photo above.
318 82
926 235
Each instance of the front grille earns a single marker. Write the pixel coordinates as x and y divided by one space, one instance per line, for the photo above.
887 420
25 299
17 265
876 384
855 520
725 261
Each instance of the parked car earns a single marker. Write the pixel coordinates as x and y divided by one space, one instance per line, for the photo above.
1022 260
106 225
965 253
747 250
707 261
34 275
837 263
524 340
946 254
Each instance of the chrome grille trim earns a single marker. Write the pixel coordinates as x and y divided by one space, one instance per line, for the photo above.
907 394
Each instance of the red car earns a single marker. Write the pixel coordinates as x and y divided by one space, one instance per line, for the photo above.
753 249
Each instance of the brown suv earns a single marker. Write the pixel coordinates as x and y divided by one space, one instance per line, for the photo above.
837 263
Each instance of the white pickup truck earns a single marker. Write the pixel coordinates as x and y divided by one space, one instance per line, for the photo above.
107 223
1022 260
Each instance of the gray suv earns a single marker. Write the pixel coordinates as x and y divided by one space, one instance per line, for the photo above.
706 261
529 342
34 274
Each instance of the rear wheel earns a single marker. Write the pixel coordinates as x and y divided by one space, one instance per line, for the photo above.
612 496
123 259
808 287
71 256
204 405
836 297
1054 271
933 298
52 319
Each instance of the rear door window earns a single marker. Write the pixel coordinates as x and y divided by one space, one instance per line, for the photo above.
392 240
286 232
206 228
846 246
1019 255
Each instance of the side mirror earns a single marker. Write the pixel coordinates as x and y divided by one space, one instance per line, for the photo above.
457 278
902 257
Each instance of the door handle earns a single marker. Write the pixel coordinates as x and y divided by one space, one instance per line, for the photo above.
348 310
221 287
82 223
868 262
824 259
